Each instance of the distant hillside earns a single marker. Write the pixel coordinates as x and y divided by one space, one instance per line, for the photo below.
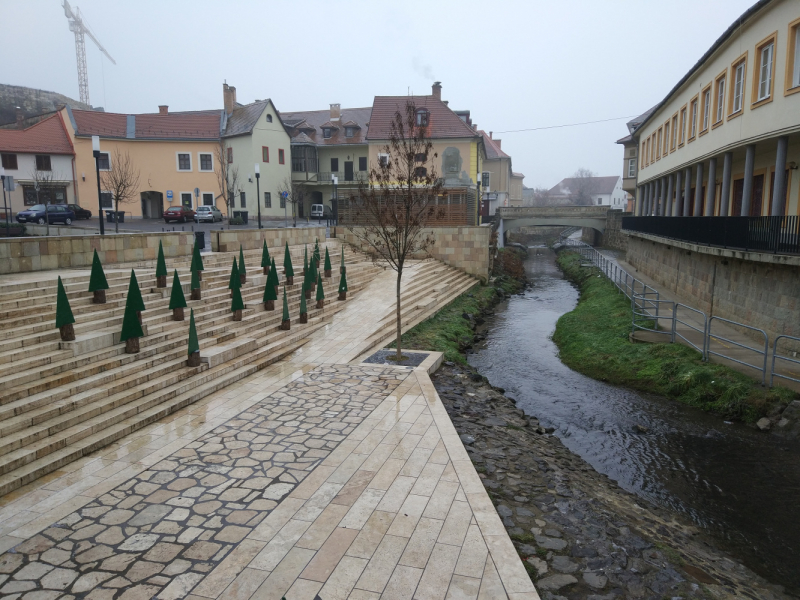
32 102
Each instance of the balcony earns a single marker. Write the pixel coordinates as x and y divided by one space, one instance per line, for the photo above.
324 177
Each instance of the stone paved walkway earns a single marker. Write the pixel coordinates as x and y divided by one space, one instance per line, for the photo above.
307 480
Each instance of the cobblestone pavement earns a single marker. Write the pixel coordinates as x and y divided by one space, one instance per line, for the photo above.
160 532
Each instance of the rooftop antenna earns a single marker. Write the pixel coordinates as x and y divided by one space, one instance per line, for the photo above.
79 28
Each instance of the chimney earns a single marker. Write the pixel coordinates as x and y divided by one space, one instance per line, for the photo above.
490 134
436 90
499 143
233 91
227 99
20 118
336 112
163 109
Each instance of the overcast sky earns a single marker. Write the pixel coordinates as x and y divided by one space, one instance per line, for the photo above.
515 65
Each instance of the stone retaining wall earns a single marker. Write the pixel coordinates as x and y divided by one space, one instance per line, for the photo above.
22 255
228 240
612 237
761 293
465 248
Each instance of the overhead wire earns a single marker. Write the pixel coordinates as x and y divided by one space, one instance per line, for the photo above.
566 125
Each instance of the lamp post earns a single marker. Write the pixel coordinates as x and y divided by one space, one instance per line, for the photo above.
96 152
5 206
258 194
335 199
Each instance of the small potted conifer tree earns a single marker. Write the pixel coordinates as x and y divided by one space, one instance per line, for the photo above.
288 271
270 291
131 327
320 293
135 296
286 324
242 267
197 261
327 266
303 307
194 344
97 281
64 318
237 304
265 261
343 287
161 268
235 281
177 301
195 286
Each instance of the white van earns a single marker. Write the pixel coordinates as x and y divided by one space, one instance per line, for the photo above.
321 211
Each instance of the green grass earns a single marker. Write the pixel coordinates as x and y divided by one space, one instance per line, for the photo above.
593 339
447 329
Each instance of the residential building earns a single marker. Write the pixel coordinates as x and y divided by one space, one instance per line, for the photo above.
500 185
515 189
173 152
255 134
43 154
589 191
725 140
330 153
630 167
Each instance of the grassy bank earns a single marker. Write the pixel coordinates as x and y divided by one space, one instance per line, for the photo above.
593 340
448 331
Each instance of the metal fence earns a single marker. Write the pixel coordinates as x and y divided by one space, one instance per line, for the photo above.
649 311
779 235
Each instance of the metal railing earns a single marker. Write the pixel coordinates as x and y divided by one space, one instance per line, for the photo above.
775 357
645 314
710 336
702 332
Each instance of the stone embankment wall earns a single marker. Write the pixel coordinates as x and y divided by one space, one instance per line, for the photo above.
760 290
612 237
22 255
228 240
465 248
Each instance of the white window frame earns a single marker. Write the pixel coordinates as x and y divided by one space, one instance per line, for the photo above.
203 199
486 176
796 70
631 167
694 107
738 88
191 198
721 93
706 109
108 154
765 71
200 162
381 157
178 162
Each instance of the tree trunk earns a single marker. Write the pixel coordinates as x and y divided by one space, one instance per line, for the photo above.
276 291
342 295
286 325
243 278
161 281
237 315
269 305
67 332
177 314
399 322
99 297
199 276
194 360
308 293
139 316
321 303
266 270
116 218
132 345
304 317
290 280
313 286
195 294
327 273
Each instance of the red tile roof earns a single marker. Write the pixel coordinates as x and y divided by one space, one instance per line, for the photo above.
46 137
493 151
193 125
306 126
442 121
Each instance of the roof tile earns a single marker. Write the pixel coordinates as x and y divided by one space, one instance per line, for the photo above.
46 137
442 121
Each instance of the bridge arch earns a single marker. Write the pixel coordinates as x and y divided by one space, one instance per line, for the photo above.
593 217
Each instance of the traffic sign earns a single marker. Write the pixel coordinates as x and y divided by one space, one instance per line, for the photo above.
284 194
169 194
196 192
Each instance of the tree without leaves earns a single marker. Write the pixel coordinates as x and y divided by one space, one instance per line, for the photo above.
227 176
296 193
541 197
582 192
121 180
392 210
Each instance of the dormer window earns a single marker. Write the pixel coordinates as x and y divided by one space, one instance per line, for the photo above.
326 132
269 118
422 117
349 131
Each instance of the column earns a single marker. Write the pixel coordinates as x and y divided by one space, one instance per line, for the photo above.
500 233
779 192
725 195
670 191
656 196
687 189
676 209
698 191
637 209
646 212
747 191
711 187
662 196
650 195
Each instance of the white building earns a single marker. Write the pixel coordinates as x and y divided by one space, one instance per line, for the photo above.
590 191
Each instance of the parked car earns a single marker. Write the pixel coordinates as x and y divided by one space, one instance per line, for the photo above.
80 213
181 214
207 213
321 211
56 213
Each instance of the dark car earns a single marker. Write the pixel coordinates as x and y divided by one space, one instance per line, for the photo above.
56 213
181 214
80 213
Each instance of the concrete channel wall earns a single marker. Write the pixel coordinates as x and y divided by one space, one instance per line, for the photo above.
228 240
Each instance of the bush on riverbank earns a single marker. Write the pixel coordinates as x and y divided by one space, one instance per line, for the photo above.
593 340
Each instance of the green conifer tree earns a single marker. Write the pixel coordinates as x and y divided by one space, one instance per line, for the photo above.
234 282
343 287
303 307
273 272
64 317
131 327
287 265
197 260
342 268
135 294
327 266
236 302
161 267
97 281
316 252
285 317
177 301
194 343
194 286
265 260
242 266
270 292
320 291
305 260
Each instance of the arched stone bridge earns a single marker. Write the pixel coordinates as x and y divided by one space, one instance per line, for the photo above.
565 216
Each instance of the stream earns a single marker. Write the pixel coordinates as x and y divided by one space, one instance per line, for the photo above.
737 484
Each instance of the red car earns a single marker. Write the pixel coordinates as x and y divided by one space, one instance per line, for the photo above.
181 214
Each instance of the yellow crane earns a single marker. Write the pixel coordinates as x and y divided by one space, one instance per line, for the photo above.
79 28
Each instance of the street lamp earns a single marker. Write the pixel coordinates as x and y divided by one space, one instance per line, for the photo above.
96 152
335 199
258 194
5 206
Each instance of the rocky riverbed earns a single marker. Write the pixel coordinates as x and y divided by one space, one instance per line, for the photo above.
579 534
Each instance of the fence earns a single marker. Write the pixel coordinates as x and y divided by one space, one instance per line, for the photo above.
648 310
779 235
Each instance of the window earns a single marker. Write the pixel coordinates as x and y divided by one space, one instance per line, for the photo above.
280 157
793 58
647 153
693 125
106 201
269 118
658 143
719 99
420 172
643 154
422 117
326 132
362 163
267 200
208 199
383 160
10 162
242 200
186 199
486 179
765 67
230 155
631 167
264 153
334 164
666 138
682 134
706 114
43 162
674 142
206 162
736 101
349 131
104 161
184 161
421 157
283 201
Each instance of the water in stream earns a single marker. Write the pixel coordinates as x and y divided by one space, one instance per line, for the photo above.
739 485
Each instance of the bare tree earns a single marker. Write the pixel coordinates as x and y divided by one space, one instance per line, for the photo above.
122 180
44 186
581 194
296 193
540 197
227 175
391 212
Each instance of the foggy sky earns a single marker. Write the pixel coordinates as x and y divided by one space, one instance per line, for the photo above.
515 65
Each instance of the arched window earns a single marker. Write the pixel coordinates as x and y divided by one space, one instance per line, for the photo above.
269 118
422 117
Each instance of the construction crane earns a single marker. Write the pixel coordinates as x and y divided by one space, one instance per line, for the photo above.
79 28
